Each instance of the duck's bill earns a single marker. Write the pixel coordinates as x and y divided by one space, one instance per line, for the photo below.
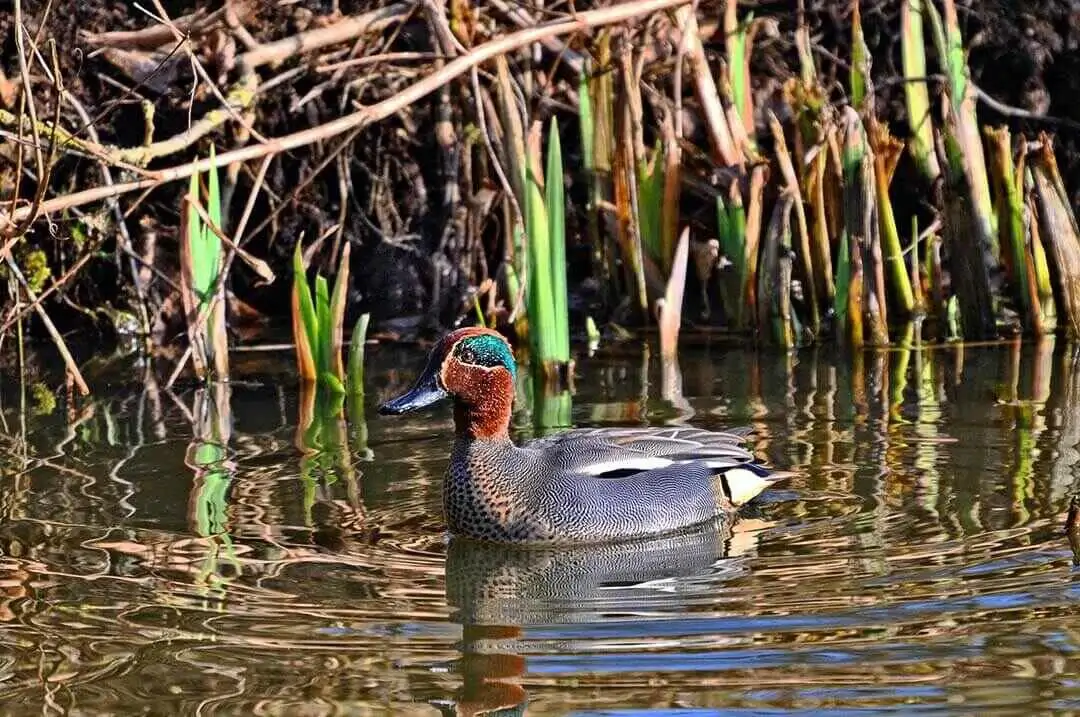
423 394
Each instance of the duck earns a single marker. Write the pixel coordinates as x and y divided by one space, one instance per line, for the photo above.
583 485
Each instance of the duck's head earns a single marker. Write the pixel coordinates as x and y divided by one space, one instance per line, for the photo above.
476 368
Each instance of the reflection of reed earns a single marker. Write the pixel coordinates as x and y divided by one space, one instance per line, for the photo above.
915 463
889 426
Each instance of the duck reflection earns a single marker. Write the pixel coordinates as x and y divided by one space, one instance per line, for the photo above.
497 592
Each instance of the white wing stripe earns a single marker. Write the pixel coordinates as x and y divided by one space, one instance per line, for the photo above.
644 463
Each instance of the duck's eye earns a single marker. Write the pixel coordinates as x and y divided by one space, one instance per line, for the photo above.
479 352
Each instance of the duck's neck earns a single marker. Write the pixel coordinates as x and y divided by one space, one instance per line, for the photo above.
483 414
488 420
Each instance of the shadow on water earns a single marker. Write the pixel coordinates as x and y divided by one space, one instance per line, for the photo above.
254 548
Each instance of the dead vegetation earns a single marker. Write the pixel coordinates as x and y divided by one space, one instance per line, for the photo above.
382 126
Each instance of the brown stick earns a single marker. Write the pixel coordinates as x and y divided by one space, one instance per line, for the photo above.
153 37
347 29
69 360
364 115
241 95
522 18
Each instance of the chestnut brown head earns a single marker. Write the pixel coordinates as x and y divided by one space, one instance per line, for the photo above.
473 366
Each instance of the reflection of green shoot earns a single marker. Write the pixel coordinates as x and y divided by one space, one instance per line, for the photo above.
357 417
322 430
322 436
209 459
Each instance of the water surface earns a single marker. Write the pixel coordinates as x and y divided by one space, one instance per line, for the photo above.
176 552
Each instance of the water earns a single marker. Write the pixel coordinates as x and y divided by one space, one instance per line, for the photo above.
916 565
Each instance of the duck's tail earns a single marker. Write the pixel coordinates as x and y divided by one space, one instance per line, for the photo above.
744 482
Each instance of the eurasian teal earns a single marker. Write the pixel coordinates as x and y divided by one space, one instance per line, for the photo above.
583 485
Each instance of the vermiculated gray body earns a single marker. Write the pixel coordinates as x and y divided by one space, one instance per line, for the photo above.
542 492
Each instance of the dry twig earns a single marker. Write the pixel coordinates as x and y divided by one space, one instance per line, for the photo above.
364 115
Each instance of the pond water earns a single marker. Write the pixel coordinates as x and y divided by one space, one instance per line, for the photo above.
916 564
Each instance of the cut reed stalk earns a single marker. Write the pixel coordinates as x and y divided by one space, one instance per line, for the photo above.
670 319
813 118
964 119
602 91
970 221
755 208
913 57
866 290
1058 230
513 157
587 128
775 317
725 151
791 187
669 215
887 151
1043 282
1017 259
861 96
627 198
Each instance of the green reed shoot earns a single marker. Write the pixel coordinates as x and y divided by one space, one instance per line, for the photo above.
318 323
555 197
650 178
356 355
739 39
546 299
731 230
202 288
